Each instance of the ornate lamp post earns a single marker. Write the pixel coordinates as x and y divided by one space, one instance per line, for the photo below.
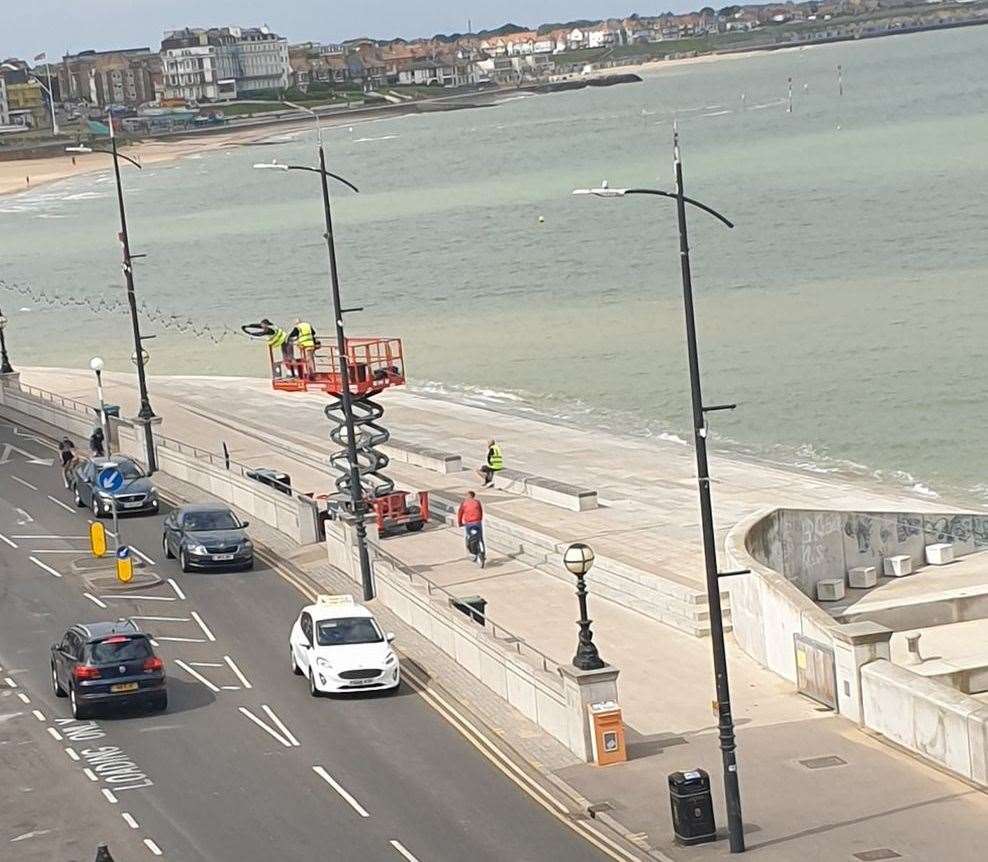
578 559
5 366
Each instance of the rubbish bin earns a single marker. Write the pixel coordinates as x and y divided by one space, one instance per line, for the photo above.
275 478
111 410
692 807
473 606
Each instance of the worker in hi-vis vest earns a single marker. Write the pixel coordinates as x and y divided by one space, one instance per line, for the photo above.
304 337
277 338
495 463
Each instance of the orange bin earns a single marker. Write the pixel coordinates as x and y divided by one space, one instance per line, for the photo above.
608 733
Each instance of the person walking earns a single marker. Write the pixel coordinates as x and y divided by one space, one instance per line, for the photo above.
278 338
96 443
303 335
68 457
494 463
470 516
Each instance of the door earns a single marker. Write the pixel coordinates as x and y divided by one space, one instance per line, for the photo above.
816 674
303 645
86 480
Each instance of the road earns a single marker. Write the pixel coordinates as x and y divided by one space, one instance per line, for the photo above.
244 765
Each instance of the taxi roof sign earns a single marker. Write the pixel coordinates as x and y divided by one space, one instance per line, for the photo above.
325 599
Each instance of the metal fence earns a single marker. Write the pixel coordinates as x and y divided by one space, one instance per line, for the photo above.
87 410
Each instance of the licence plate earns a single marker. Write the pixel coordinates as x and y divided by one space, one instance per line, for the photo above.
363 682
133 505
222 556
124 686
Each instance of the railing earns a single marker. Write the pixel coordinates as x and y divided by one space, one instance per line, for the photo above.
501 634
88 410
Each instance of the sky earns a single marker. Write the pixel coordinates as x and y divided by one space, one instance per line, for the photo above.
57 26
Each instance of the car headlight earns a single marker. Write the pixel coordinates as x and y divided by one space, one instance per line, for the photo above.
391 659
104 495
153 492
196 548
247 545
324 663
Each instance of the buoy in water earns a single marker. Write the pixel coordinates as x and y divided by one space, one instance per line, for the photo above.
541 219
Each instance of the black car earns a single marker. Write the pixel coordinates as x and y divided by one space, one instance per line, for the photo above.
107 664
207 537
137 494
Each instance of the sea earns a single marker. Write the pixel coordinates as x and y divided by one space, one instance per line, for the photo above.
846 313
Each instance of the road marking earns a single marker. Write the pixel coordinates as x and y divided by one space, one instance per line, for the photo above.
71 752
142 598
95 600
109 796
237 671
130 821
5 539
75 551
10 682
281 725
143 556
154 848
182 640
60 503
325 776
400 849
41 565
203 626
264 726
23 482
47 536
177 588
38 714
90 774
24 517
230 687
23 697
206 664
54 734
196 675
163 620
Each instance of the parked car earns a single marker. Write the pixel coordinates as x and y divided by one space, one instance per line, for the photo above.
137 494
207 537
107 664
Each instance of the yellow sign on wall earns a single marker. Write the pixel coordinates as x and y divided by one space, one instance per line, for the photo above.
97 539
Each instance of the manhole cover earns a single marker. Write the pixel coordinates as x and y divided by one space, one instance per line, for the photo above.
824 763
873 855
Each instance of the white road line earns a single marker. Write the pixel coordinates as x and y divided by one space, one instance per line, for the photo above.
237 671
23 697
281 725
162 620
3 538
10 682
47 536
60 503
71 752
203 626
182 640
264 726
27 484
325 776
401 851
154 848
142 598
24 517
41 565
230 687
143 556
90 774
177 588
129 820
54 734
95 600
38 714
75 551
206 664
109 796
196 675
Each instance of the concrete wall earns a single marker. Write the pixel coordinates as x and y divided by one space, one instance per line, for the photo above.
30 410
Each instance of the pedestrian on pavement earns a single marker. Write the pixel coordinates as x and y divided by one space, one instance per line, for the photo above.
278 338
96 443
68 457
304 336
494 463
470 516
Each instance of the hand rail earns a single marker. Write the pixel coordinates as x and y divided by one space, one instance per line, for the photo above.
62 400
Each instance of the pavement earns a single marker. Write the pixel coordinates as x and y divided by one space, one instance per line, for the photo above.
874 799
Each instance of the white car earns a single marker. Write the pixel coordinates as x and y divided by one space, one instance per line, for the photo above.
339 646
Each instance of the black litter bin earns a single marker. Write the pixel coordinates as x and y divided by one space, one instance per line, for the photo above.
275 478
692 807
111 410
473 606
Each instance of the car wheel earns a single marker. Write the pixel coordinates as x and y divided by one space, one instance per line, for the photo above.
414 526
160 703
55 686
95 508
312 684
78 712
165 548
295 668
78 499
183 560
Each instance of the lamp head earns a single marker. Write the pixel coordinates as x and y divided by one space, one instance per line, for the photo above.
78 149
270 166
578 559
96 364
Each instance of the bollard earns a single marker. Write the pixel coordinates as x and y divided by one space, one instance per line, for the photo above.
103 854
912 644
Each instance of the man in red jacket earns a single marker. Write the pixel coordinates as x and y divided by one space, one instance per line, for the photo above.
471 517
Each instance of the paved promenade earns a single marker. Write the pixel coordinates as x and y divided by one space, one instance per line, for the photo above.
874 798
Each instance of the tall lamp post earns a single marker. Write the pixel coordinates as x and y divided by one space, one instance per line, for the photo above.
578 559
5 366
732 791
96 364
145 414
357 503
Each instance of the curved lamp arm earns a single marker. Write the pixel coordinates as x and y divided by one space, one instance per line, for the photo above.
119 155
674 196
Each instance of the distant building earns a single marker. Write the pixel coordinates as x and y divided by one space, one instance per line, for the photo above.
126 77
23 102
4 108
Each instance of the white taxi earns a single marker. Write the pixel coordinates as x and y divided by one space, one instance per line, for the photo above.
339 646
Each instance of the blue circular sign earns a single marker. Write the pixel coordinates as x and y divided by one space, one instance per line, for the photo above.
123 552
109 479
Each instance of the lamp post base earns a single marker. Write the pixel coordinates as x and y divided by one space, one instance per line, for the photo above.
10 379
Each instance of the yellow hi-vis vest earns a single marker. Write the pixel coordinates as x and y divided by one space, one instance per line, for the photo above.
306 337
277 338
497 459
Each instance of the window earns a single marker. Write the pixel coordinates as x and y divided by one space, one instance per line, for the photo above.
217 519
306 625
347 631
120 649
71 644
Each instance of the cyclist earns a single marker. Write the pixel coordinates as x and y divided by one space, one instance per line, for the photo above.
470 516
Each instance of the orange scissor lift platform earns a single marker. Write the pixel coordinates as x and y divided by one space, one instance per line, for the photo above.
373 365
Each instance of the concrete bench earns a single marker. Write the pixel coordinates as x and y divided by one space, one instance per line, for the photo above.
545 490
422 456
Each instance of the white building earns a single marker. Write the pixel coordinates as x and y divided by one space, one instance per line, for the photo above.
190 73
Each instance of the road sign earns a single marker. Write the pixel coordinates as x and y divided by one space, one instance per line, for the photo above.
109 479
125 565
97 539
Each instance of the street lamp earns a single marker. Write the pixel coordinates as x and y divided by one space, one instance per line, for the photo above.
145 414
5 366
578 559
732 791
357 502
96 364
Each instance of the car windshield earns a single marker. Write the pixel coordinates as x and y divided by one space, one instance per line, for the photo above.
118 649
350 630
215 520
128 468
